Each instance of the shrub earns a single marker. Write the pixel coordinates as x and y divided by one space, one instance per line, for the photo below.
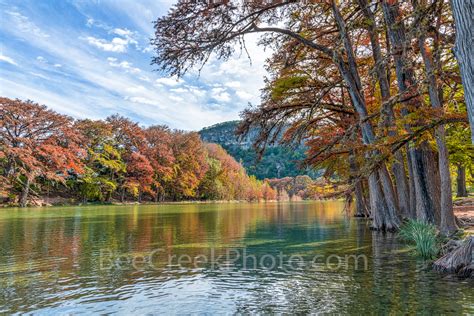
423 235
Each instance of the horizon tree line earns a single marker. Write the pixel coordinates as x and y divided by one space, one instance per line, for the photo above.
43 152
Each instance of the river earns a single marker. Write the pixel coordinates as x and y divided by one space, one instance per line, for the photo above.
303 257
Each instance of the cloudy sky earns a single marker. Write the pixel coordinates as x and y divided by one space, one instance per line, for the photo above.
91 58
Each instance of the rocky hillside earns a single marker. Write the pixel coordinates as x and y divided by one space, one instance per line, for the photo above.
277 162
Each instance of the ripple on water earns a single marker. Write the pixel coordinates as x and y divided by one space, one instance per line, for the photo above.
50 263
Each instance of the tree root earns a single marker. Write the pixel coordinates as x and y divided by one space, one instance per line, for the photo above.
460 261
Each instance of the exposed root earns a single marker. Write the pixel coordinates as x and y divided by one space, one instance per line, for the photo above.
459 261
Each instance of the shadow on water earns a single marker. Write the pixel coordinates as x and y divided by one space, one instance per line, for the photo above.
52 261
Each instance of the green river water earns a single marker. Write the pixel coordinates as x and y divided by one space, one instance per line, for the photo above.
304 257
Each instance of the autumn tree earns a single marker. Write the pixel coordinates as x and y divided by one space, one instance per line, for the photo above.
104 164
130 141
159 152
189 166
37 143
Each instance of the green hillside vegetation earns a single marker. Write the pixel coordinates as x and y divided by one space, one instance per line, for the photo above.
277 161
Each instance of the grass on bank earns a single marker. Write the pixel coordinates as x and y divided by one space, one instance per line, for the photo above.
424 236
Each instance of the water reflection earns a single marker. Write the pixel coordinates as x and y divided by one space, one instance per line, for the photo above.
50 262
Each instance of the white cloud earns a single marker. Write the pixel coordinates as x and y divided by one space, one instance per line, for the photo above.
179 90
41 59
57 65
232 84
169 81
90 22
117 45
24 24
122 32
40 75
142 100
136 89
176 98
128 67
8 60
220 94
244 95
197 92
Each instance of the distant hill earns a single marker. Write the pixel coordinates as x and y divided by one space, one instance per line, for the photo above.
277 161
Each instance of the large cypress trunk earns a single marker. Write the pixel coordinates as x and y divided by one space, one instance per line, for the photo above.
461 181
425 200
444 213
463 12
381 70
383 203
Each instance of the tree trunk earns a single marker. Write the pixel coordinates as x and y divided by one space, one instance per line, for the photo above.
447 222
381 68
401 182
25 192
461 181
383 204
407 84
424 201
463 12
434 180
361 207
411 186
122 195
384 218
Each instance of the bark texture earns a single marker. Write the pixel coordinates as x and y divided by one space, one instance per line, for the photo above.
446 213
463 12
383 203
381 70
425 204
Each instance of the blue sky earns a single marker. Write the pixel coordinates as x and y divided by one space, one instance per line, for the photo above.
91 58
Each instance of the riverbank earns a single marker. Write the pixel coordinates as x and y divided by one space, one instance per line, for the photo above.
58 202
464 211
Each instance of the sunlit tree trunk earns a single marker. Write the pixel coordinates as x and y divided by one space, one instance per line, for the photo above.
463 12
